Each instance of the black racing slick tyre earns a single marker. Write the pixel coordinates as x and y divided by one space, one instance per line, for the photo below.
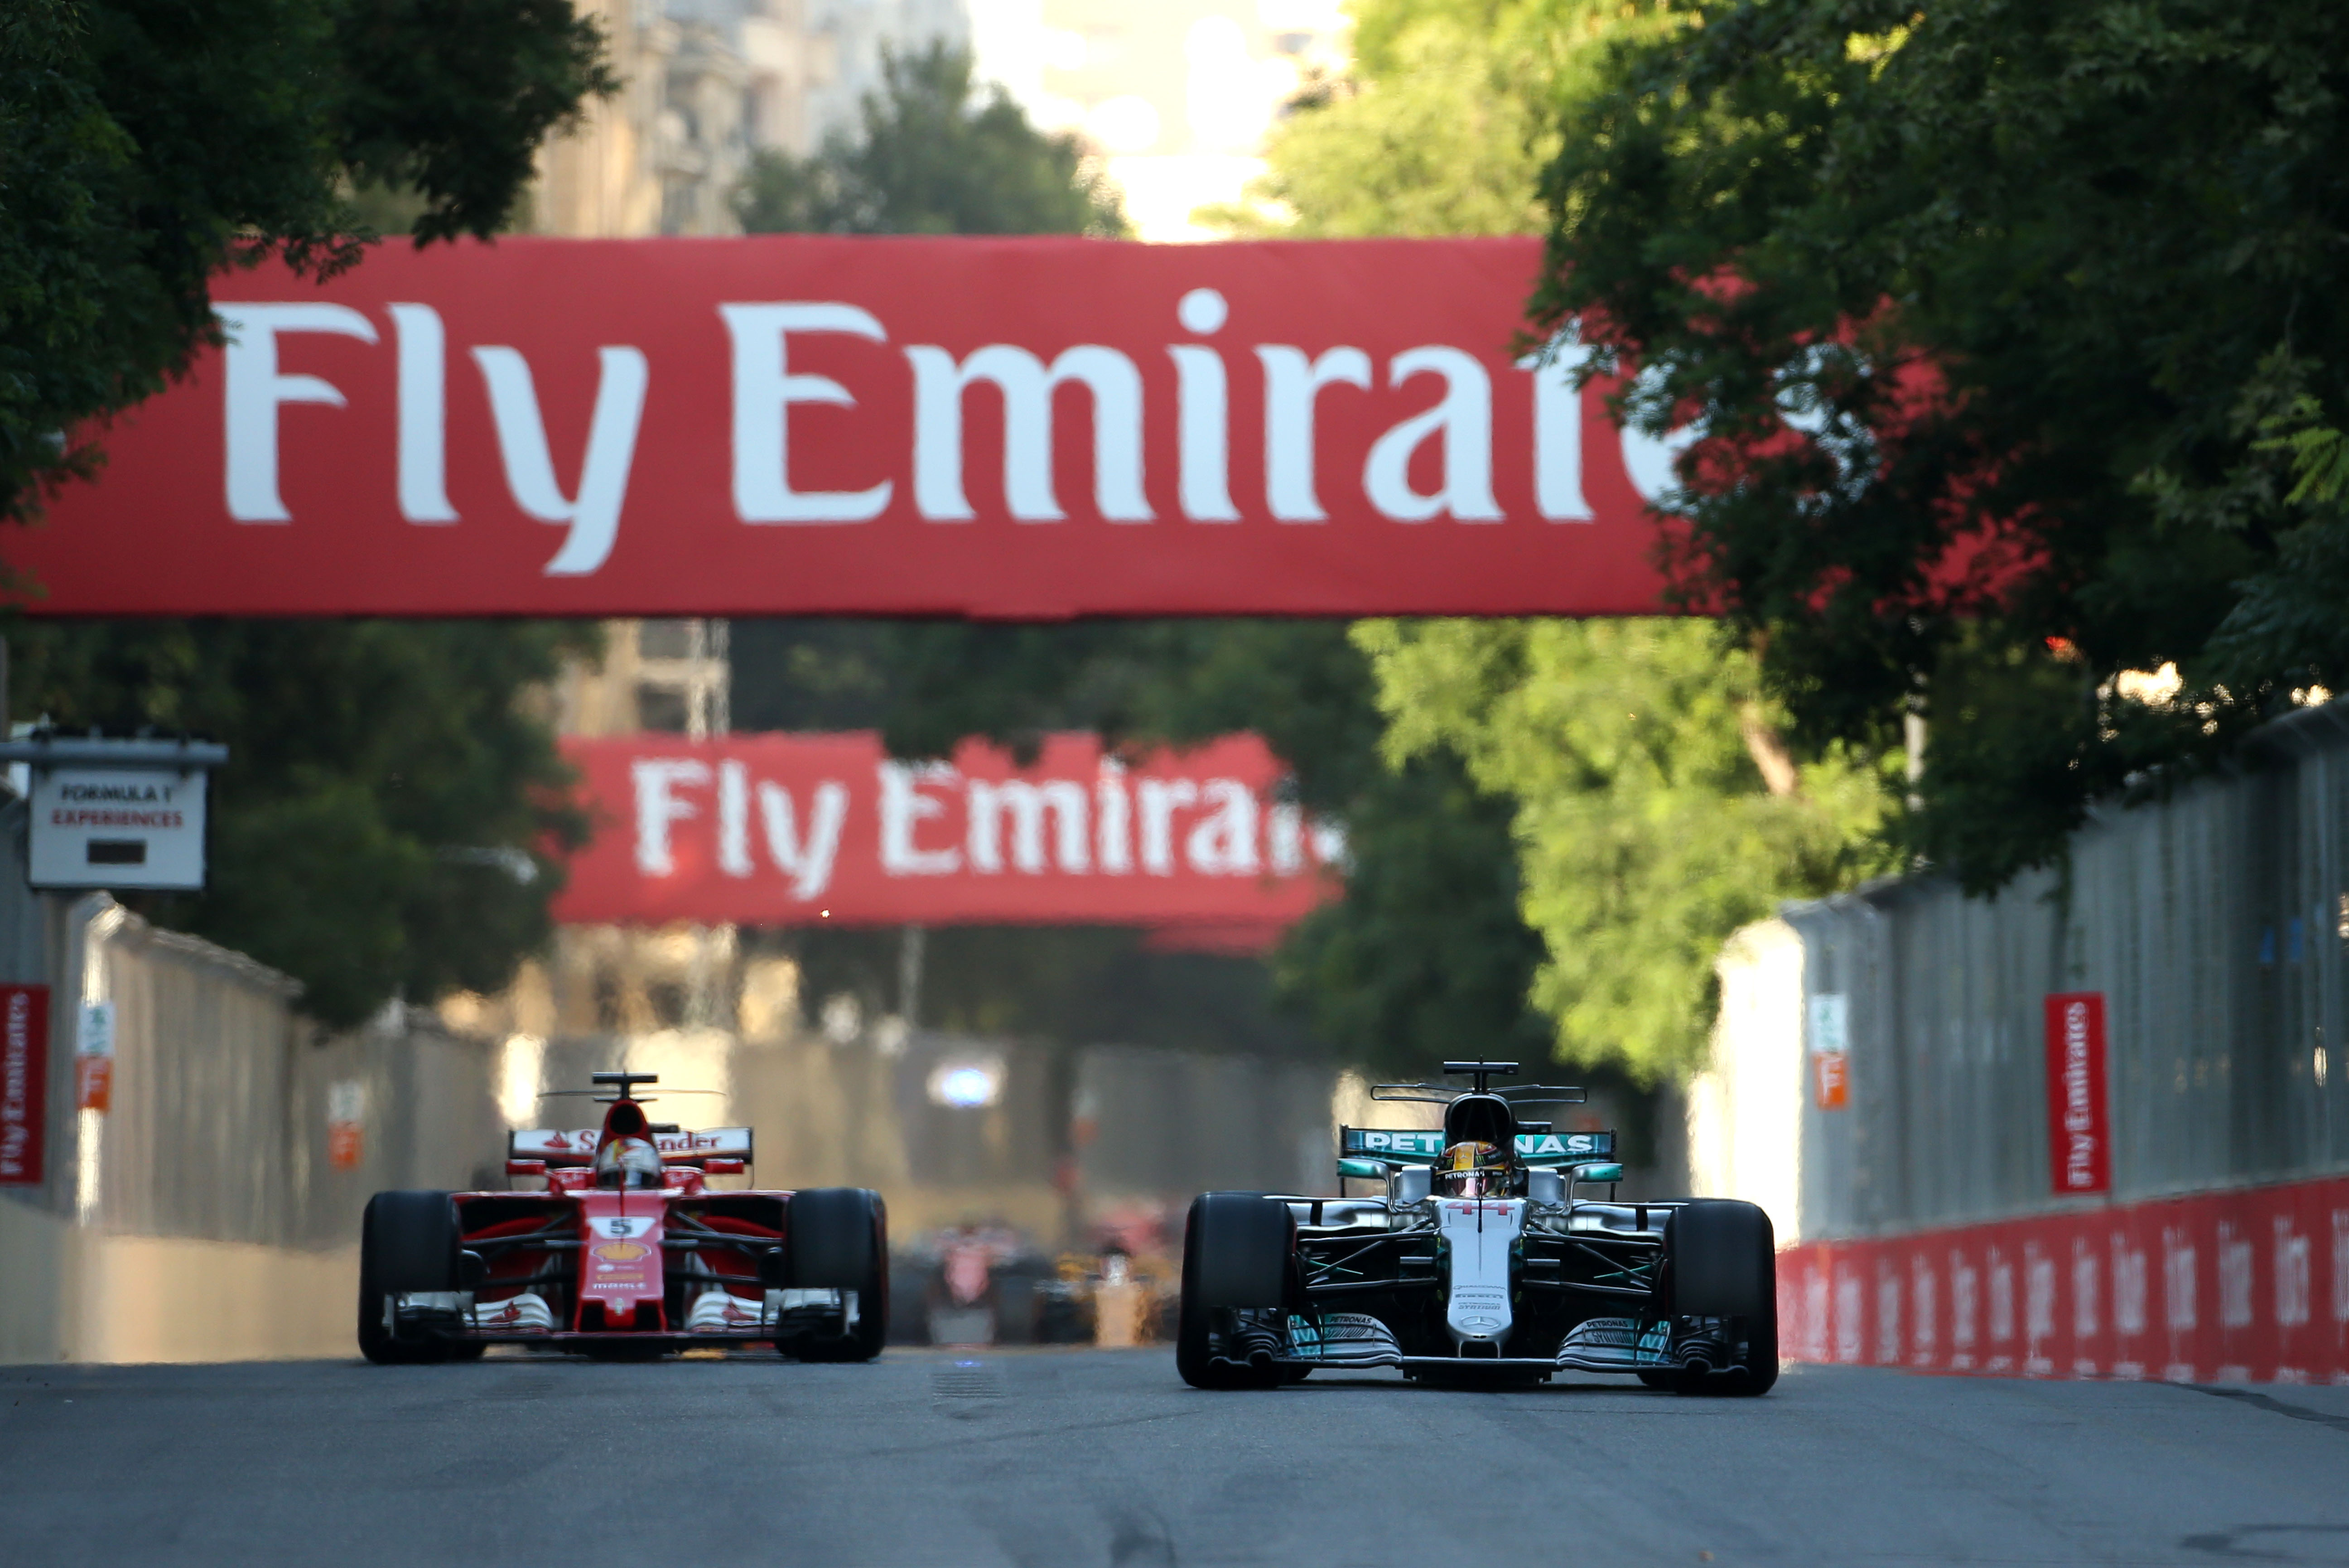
1239 1252
1721 1258
407 1241
839 1240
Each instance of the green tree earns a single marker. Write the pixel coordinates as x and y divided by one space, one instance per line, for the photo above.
1654 809
937 155
381 825
1441 125
1609 856
387 818
147 144
2014 334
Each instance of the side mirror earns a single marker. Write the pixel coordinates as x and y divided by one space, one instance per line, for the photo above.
1412 1184
716 1167
774 1268
471 1268
525 1168
1598 1173
1373 1168
1544 1185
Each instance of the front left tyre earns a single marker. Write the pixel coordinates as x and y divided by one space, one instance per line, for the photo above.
1721 1260
407 1243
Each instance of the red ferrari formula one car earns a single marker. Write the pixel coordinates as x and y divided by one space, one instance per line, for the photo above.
628 1253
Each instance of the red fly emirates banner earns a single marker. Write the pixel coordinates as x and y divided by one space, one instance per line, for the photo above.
790 830
1018 428
2079 1143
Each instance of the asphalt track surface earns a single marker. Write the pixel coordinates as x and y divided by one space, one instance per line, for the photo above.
1058 1458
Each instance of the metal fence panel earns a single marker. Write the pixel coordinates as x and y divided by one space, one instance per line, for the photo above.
2215 922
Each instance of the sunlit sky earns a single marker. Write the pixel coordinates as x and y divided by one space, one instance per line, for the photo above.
1178 94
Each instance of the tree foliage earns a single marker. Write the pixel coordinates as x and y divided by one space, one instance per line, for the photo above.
386 820
1442 124
2014 334
146 144
1585 800
381 824
1654 810
937 155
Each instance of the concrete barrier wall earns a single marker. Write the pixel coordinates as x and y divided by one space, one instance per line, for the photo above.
2249 1285
2215 925
211 1210
1926 1223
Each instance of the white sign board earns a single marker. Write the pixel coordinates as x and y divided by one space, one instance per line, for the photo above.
117 827
1830 1024
94 1036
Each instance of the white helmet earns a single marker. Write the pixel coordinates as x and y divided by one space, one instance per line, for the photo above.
629 1162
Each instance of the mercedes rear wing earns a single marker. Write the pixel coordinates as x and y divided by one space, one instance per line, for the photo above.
1404 1147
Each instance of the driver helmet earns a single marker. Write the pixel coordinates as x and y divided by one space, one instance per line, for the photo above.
629 1162
1472 1171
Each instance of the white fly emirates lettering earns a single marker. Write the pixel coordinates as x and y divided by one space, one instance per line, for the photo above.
811 829
2079 1153
2079 1119
808 424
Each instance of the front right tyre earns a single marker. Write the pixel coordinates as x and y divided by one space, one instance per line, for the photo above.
839 1240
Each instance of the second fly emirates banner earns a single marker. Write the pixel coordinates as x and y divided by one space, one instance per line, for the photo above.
791 830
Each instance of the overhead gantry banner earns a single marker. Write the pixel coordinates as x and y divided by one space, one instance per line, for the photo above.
1023 428
799 830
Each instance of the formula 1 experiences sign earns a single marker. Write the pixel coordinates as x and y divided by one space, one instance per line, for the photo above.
1007 428
794 830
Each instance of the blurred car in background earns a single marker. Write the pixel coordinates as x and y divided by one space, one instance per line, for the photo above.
984 1283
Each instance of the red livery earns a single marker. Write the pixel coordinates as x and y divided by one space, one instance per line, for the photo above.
628 1252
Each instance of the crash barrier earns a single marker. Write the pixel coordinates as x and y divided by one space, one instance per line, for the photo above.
2247 1285
199 1197
1905 1057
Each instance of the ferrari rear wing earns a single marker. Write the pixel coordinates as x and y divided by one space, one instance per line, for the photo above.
577 1147
1422 1147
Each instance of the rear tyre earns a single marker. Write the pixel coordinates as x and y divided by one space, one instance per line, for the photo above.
1722 1261
839 1240
407 1241
1239 1252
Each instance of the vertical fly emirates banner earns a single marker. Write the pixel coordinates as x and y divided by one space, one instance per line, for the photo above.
790 830
1016 428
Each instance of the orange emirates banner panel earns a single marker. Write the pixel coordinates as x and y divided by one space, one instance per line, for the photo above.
795 830
786 425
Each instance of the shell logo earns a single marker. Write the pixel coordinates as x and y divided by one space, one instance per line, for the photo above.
622 1252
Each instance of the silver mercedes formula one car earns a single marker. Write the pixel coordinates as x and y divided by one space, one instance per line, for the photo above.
1482 1261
